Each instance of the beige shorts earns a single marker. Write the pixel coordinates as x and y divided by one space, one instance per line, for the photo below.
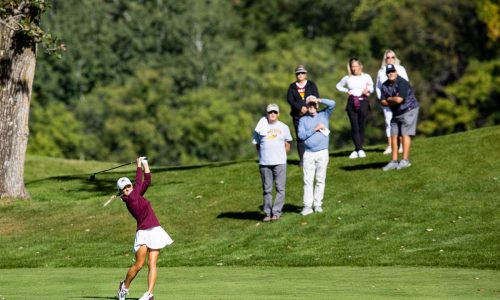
154 238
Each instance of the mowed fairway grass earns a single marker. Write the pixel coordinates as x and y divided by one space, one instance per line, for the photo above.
431 231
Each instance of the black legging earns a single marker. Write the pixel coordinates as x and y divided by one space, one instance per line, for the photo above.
358 122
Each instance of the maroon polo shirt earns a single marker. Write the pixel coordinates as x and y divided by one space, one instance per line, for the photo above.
138 206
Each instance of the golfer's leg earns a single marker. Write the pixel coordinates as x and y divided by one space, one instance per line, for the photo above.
309 169
140 258
280 178
266 174
321 167
153 272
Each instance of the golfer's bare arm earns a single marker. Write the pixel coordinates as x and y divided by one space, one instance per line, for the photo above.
287 147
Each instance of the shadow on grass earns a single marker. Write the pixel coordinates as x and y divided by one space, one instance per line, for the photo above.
98 297
100 183
256 215
378 165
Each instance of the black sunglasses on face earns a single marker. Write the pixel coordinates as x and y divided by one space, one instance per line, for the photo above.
301 73
272 112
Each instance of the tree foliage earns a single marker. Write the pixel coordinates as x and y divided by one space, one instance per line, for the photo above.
185 81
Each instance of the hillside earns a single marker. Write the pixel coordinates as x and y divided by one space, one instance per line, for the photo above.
442 211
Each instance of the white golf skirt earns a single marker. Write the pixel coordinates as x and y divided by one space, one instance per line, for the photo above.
154 238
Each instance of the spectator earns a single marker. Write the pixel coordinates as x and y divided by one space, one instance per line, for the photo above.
358 86
397 94
389 58
272 139
314 131
297 93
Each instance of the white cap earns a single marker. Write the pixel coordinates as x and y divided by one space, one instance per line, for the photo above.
273 107
122 182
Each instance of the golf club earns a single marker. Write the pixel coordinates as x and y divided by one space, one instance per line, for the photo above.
92 177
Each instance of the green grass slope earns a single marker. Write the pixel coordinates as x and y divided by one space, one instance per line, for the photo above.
442 212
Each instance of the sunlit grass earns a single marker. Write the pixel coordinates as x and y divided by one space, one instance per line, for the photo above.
441 212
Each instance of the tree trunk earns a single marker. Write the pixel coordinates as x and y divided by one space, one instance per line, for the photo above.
17 69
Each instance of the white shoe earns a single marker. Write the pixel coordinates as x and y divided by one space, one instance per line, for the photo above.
354 154
361 154
388 150
122 291
318 209
147 296
306 211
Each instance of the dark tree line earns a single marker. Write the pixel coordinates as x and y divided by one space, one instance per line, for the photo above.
185 81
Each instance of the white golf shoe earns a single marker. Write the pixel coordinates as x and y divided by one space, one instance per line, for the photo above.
122 291
147 296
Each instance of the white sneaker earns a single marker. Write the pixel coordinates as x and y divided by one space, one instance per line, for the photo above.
354 154
318 209
306 211
388 150
122 291
147 296
361 154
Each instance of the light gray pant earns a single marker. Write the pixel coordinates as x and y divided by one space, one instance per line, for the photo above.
269 175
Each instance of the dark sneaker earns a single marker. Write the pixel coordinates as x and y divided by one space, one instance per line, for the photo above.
404 164
393 164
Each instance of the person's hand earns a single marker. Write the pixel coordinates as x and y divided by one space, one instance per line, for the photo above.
303 110
319 127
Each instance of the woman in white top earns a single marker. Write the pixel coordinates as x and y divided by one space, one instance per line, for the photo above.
389 58
358 86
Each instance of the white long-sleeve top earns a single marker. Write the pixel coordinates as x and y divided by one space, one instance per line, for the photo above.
355 84
382 77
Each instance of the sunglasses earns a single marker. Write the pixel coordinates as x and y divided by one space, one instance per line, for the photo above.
300 73
389 57
390 72
272 112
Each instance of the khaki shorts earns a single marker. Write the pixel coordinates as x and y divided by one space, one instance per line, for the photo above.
405 124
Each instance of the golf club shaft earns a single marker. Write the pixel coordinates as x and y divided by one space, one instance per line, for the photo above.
115 167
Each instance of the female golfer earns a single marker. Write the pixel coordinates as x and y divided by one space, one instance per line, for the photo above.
150 236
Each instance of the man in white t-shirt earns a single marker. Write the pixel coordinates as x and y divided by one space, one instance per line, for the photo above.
272 139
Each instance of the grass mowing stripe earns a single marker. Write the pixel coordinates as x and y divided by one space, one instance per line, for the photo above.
256 283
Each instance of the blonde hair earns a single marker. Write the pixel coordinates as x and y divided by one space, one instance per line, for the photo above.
351 60
396 59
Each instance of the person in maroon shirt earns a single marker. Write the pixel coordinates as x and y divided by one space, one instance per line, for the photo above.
150 236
